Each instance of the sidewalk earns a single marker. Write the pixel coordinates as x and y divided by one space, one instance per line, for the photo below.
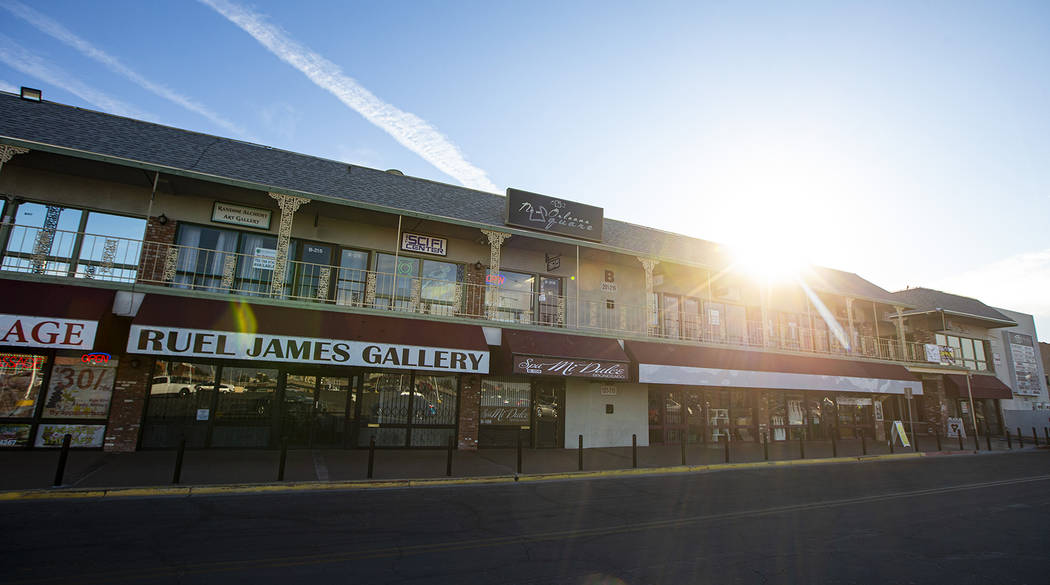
94 469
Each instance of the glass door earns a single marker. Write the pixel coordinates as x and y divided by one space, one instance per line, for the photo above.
313 269
547 425
317 410
667 420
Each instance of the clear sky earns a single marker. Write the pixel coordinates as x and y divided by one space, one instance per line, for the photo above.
906 141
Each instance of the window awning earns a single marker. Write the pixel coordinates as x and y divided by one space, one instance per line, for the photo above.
181 326
555 354
983 386
660 363
36 314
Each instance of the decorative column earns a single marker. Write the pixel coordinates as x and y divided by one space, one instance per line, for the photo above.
496 240
289 204
7 152
852 326
45 238
900 332
650 306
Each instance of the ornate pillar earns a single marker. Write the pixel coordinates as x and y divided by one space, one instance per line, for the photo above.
7 152
852 326
496 240
45 238
289 204
650 307
900 333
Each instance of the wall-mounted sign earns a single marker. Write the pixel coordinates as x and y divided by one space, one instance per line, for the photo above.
303 350
553 215
232 213
608 389
553 262
608 287
1025 360
940 354
424 244
26 331
541 366
264 259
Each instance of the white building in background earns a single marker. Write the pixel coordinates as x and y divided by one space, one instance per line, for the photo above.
1015 352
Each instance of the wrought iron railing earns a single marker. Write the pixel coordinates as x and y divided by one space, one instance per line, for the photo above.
69 254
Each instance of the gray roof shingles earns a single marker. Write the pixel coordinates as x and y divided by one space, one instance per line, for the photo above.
928 299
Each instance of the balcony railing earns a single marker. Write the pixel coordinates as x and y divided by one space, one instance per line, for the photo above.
115 259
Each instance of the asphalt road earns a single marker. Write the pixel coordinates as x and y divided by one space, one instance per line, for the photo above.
959 520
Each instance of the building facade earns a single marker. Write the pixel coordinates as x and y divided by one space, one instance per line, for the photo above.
165 285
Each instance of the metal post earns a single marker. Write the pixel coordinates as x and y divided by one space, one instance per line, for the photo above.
634 451
891 444
1046 432
765 447
973 407
987 438
1035 437
1009 443
976 443
62 459
835 446
727 448
178 461
448 460
960 440
937 433
519 452
1020 439
580 466
863 445
284 455
371 455
802 446
683 450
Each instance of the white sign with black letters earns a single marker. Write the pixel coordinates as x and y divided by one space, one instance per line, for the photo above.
241 215
424 244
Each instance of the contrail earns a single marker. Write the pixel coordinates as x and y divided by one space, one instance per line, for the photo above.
48 26
410 130
20 59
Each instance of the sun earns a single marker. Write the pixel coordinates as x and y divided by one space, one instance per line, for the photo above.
769 262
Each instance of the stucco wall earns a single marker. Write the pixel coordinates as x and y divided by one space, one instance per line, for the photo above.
585 414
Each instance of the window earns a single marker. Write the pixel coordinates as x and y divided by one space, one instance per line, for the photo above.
84 244
528 298
428 286
967 352
208 256
352 278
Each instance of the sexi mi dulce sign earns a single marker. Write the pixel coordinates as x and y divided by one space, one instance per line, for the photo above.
524 364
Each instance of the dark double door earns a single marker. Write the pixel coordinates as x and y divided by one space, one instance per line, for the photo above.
318 411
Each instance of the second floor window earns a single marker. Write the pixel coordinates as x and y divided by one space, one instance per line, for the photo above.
411 284
969 353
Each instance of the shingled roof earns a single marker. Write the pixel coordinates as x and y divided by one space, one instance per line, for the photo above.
100 134
926 300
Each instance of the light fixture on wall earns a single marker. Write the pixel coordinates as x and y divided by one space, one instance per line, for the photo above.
478 265
163 219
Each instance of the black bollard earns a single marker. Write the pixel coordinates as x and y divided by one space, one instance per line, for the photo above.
1009 443
62 459
634 451
284 456
178 461
371 455
1020 439
960 440
448 460
863 445
519 452
580 462
683 450
802 446
765 447
835 446
727 448
937 433
1046 433
891 446
987 438
1035 437
976 445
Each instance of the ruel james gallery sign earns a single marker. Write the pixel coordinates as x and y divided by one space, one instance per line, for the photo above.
526 364
552 215
173 341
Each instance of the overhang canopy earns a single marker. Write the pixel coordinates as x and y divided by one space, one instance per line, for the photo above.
982 386
36 314
181 326
704 366
555 354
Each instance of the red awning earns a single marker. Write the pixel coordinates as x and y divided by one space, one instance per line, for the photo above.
983 386
760 361
40 299
557 354
240 316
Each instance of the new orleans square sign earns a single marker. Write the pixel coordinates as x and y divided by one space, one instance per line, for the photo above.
172 341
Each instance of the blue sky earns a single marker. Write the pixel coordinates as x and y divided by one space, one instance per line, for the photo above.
904 141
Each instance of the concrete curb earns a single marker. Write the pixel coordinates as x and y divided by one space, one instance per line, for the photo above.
291 487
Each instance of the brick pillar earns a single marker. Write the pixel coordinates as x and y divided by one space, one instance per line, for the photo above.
155 248
469 409
934 401
474 296
129 398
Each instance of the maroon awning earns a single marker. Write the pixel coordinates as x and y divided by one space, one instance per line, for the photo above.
982 386
39 299
760 361
240 316
556 354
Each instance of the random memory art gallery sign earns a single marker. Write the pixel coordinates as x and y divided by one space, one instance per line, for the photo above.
525 364
173 341
557 216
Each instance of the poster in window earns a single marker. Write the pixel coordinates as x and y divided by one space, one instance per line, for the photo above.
14 435
79 390
21 376
715 317
51 434
795 415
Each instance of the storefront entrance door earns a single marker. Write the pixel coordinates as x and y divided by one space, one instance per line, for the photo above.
317 410
667 424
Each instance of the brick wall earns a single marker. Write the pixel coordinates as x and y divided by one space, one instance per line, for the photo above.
155 250
129 397
469 409
934 401
474 294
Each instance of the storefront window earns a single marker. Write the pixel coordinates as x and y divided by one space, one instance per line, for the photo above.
434 401
384 398
505 401
438 286
174 391
353 273
79 390
21 376
206 251
246 395
12 435
515 296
